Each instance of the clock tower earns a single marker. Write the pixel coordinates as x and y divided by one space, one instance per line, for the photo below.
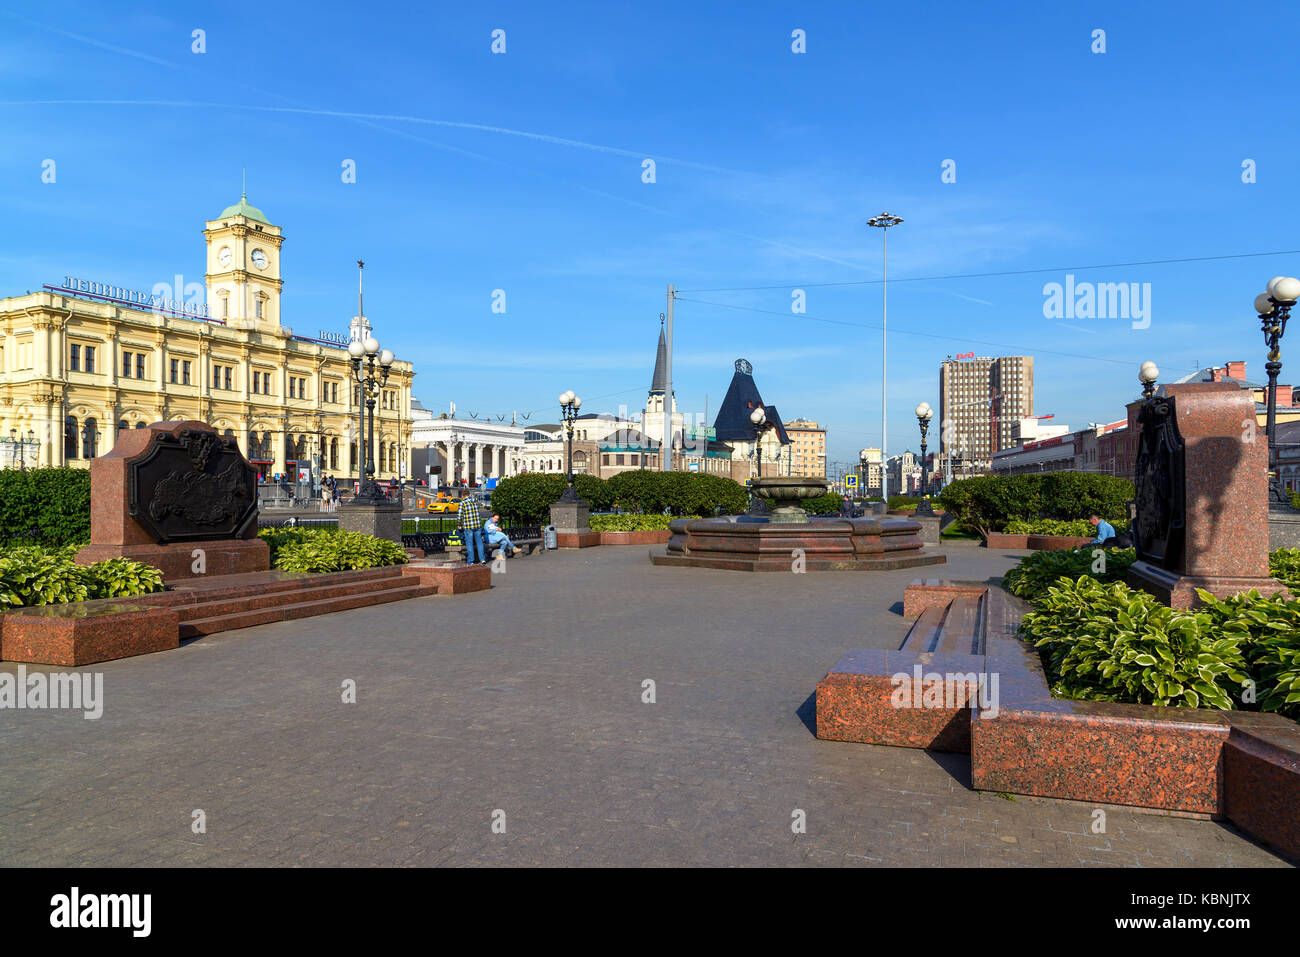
243 270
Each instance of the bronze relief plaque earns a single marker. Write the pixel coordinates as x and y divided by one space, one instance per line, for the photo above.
195 486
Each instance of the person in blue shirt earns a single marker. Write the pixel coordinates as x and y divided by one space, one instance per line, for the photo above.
1105 532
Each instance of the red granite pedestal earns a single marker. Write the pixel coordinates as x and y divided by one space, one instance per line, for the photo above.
1225 495
115 532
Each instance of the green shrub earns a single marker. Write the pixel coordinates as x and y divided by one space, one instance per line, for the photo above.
985 503
1269 629
902 501
1031 578
1284 565
337 551
525 499
680 493
1073 528
633 523
277 538
32 575
122 577
828 504
1108 642
45 506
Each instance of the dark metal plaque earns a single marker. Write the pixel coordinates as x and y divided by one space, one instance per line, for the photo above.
1159 530
196 486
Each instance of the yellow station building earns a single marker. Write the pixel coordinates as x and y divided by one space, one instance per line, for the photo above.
83 359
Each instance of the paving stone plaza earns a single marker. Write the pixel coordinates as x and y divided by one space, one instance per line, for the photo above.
524 706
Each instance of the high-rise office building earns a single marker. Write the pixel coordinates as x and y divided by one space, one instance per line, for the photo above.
981 400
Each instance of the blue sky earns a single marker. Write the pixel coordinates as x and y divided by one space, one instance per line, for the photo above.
523 172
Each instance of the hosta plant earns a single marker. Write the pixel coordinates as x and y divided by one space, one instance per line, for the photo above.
1035 573
1108 642
338 551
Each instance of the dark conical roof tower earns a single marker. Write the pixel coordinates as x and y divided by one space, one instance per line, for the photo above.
659 383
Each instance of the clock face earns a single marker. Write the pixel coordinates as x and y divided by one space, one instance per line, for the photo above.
224 256
259 259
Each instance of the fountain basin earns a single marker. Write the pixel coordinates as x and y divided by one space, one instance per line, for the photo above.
821 544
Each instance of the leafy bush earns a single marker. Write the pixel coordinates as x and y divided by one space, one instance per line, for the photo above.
1035 573
633 523
1284 565
1269 629
526 499
985 503
1074 528
122 577
45 506
32 575
277 538
1108 642
326 550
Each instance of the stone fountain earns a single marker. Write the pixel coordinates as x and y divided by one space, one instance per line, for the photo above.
789 539
783 493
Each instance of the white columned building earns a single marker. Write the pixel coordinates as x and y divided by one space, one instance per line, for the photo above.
468 450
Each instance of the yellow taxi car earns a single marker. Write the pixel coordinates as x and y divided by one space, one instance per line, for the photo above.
444 506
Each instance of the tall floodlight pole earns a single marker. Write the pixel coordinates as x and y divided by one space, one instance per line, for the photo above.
667 462
883 222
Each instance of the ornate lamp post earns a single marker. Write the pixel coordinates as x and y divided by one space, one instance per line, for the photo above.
1147 375
569 406
365 355
759 419
923 416
1274 308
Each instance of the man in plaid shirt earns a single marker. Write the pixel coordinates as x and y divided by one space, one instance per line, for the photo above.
469 521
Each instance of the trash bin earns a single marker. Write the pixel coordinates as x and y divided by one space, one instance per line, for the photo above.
549 538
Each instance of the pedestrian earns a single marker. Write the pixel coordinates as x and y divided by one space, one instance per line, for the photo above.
469 522
846 507
497 537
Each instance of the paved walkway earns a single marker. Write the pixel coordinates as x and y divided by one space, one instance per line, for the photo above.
528 699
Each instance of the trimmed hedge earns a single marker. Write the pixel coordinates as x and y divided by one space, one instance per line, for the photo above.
526 499
985 503
1072 528
45 506
634 523
828 504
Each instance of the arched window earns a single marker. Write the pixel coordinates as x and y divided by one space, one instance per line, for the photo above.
139 425
122 426
392 458
253 446
70 437
352 457
300 449
89 438
334 454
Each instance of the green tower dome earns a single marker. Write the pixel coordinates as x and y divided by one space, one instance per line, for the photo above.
243 208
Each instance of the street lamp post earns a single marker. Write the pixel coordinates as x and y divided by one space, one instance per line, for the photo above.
1147 375
883 222
1274 308
759 420
569 406
364 356
923 416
